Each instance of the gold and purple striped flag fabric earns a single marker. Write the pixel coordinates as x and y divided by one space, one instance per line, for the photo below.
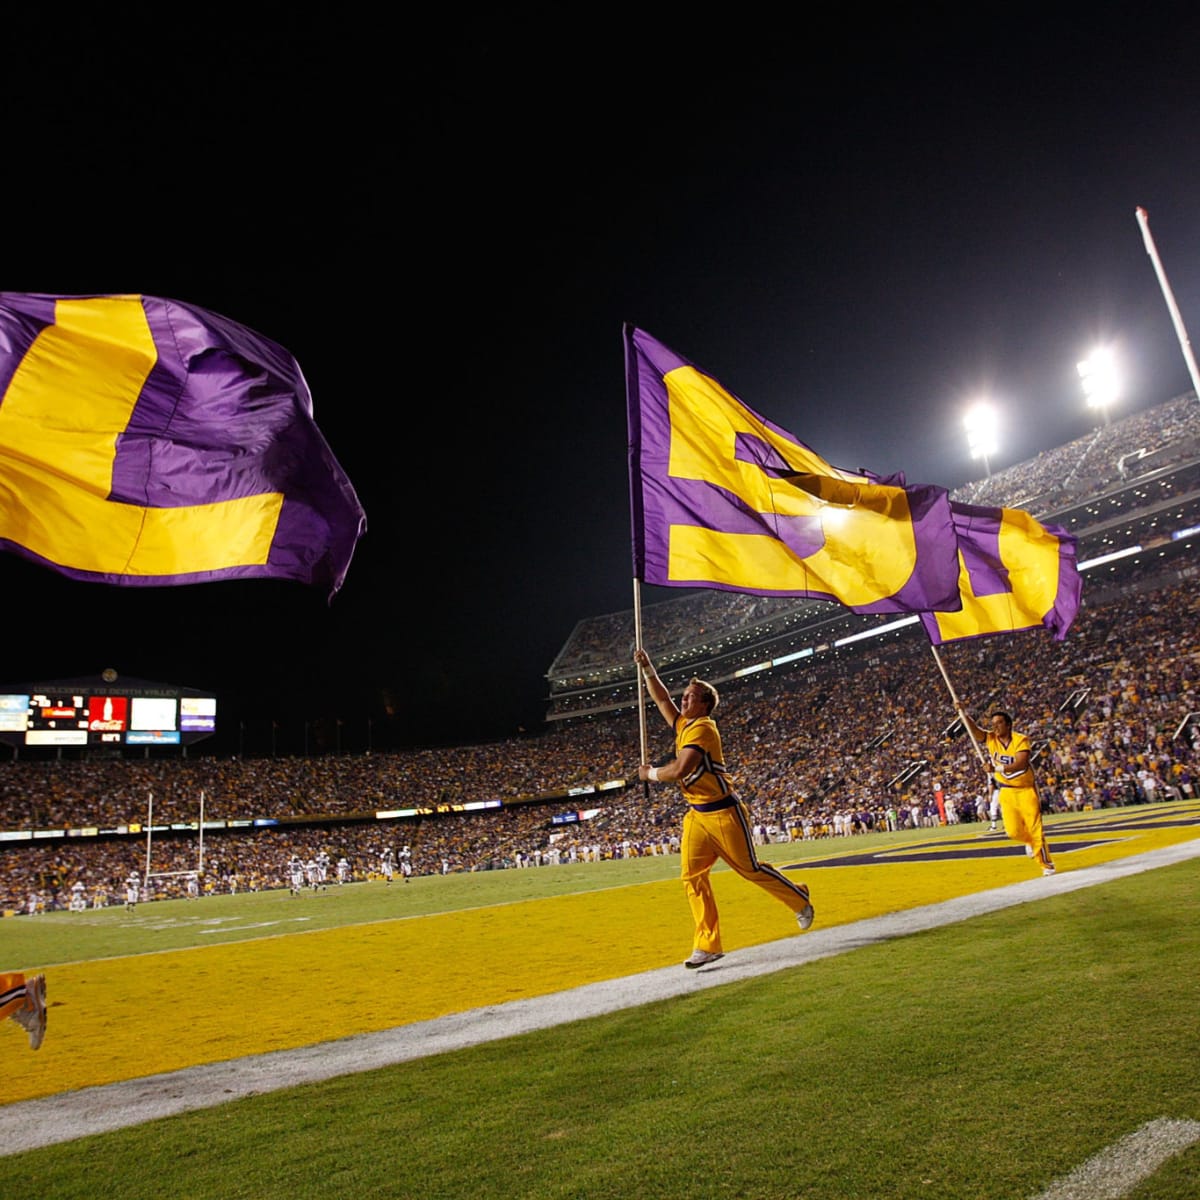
722 498
150 442
1014 574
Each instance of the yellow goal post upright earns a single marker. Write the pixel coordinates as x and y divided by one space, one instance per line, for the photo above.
149 873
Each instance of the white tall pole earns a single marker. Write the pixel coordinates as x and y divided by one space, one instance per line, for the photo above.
201 863
149 827
1180 331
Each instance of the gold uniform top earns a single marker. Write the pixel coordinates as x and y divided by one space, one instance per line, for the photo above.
709 781
1003 758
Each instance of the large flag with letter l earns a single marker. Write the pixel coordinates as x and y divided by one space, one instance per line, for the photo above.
149 442
1014 573
722 498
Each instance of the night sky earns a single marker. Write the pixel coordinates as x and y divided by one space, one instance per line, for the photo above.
856 232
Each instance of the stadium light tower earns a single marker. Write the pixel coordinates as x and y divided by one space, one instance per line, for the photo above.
1101 386
981 424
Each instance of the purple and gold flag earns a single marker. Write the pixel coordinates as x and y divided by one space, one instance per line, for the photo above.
722 498
148 442
1014 573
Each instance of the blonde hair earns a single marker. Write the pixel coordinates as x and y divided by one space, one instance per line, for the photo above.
709 691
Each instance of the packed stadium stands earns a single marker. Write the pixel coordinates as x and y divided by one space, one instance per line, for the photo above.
837 741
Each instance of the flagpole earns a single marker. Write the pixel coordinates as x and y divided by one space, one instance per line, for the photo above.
1180 332
637 643
937 658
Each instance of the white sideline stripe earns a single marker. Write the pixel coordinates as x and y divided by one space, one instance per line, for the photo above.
1119 1168
47 1121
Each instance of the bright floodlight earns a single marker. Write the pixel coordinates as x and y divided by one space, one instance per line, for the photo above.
981 424
1101 386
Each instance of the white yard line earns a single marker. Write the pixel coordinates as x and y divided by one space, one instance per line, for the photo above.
1121 1167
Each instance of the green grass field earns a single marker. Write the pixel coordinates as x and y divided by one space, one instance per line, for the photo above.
984 1059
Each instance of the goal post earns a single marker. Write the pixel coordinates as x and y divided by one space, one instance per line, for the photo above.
149 873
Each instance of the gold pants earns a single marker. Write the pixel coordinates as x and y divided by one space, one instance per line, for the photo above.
1021 808
725 835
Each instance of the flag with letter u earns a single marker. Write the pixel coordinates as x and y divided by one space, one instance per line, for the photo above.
149 442
722 498
1014 573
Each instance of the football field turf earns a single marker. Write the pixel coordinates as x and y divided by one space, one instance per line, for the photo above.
954 1025
299 971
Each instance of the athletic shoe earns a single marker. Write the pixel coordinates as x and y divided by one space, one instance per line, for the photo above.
32 1018
701 958
804 918
1049 871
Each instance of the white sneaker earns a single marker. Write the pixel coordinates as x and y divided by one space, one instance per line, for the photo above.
701 958
32 1018
804 918
1049 871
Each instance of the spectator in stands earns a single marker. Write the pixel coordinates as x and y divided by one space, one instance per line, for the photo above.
716 825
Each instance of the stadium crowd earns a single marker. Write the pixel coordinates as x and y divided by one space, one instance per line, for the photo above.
859 738
847 741
1153 438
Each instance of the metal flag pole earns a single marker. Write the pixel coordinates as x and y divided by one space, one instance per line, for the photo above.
1180 331
637 643
937 658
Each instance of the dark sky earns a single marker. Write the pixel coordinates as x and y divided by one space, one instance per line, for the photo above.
856 230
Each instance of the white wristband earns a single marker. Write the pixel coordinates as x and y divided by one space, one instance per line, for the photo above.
652 774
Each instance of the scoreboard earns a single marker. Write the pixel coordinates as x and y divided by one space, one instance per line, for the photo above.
98 712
